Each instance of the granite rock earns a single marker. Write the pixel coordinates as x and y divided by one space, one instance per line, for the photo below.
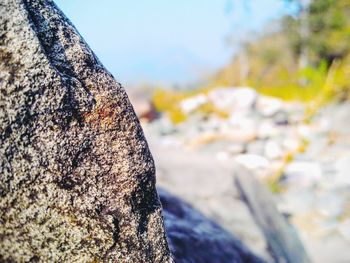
77 178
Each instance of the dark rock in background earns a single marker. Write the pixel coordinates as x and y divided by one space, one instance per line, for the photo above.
195 238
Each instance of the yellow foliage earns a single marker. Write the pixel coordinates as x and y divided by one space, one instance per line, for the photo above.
176 115
209 109
168 102
303 145
274 186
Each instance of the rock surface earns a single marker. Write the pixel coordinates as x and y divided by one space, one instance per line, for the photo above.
304 160
77 178
207 185
195 238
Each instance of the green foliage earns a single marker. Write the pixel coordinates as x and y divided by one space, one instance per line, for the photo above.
274 187
328 32
319 35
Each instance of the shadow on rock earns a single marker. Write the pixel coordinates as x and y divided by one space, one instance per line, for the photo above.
194 238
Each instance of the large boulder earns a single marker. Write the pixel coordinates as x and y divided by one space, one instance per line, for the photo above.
77 179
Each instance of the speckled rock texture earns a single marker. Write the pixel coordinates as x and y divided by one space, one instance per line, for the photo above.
194 238
77 178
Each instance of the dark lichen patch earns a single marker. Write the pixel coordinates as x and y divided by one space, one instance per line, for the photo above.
9 62
34 259
99 208
115 237
79 155
144 203
66 183
116 229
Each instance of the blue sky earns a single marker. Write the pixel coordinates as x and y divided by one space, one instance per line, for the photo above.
166 42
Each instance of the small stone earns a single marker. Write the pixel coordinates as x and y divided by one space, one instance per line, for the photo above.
240 127
233 99
330 204
296 201
304 130
190 104
273 150
267 130
141 99
291 144
342 167
344 229
252 161
162 126
236 148
281 118
223 156
302 173
268 106
256 147
144 109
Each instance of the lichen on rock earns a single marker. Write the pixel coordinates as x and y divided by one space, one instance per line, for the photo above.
77 178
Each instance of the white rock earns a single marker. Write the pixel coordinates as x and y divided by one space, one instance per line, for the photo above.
236 148
296 202
222 156
273 150
252 161
304 130
233 99
242 121
344 229
267 129
318 148
291 144
268 106
303 173
256 147
330 204
190 104
324 125
342 167
338 117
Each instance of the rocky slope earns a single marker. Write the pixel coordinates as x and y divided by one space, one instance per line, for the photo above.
304 163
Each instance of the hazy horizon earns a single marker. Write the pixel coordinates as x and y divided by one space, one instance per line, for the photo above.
166 43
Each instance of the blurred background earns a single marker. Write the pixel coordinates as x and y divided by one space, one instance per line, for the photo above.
228 86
